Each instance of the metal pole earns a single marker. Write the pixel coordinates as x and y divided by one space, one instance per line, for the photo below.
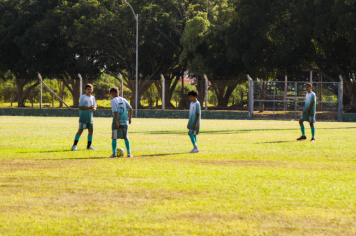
311 76
295 99
340 108
40 79
136 65
163 91
274 99
80 85
122 85
250 97
206 92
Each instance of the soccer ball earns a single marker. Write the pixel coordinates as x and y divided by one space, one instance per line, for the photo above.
120 152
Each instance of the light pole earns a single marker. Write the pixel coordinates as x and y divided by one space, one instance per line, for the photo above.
136 18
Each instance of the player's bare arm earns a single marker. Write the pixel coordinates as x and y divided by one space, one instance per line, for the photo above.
116 114
310 107
86 108
196 121
130 115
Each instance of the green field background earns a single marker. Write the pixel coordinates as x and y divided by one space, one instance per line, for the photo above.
251 178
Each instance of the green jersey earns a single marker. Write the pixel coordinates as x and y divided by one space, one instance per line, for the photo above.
121 106
309 99
86 117
193 112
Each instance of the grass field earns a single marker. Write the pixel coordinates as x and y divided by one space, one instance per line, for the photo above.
251 178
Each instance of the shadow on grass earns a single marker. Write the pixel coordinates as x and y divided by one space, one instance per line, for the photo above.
229 131
275 142
74 158
163 154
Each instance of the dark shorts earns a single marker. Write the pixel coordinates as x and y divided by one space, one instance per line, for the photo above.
120 133
86 126
310 119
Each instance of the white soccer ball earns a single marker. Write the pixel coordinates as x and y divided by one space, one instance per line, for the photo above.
120 152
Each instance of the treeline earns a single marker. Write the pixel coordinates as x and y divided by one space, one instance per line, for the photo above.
224 39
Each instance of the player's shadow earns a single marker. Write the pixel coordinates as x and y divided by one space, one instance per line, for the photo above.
74 158
275 142
163 154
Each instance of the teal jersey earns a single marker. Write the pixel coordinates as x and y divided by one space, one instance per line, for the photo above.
86 117
121 106
309 99
193 112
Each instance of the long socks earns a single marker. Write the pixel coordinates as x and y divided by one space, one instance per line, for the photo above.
114 144
90 140
302 128
76 140
313 131
127 144
193 138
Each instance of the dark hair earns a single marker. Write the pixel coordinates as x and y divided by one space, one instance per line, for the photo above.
114 90
193 93
309 84
89 86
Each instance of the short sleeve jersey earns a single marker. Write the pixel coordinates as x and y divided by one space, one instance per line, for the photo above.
121 106
309 99
86 117
193 112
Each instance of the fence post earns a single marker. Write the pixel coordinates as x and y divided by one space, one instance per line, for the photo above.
340 98
80 85
206 92
295 99
40 80
163 89
250 99
122 85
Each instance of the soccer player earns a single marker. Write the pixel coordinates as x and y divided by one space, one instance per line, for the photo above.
122 114
87 106
194 119
309 112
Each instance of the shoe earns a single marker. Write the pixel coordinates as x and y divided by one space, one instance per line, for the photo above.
112 156
195 150
74 148
129 156
302 138
312 140
91 148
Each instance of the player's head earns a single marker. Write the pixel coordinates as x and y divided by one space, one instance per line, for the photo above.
89 89
114 92
193 95
308 87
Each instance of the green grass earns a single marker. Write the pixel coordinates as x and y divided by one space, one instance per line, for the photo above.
251 178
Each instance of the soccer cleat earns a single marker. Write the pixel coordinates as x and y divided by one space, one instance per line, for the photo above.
91 148
129 156
195 150
74 148
302 138
112 156
312 140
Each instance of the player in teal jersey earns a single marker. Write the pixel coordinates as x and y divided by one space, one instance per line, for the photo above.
87 106
194 119
122 114
308 113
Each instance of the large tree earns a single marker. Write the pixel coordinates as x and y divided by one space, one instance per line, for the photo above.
299 35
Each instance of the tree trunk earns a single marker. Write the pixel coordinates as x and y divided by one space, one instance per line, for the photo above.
171 84
223 90
350 92
73 86
22 95
201 90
